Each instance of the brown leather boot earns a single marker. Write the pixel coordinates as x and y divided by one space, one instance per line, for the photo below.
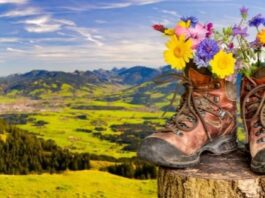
205 121
253 116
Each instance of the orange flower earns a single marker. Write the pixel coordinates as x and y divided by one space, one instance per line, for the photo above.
261 37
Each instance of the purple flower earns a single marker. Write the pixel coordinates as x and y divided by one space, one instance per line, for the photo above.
244 12
193 20
256 21
237 30
205 52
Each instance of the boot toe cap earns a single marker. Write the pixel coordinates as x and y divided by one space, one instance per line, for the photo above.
160 152
258 162
260 156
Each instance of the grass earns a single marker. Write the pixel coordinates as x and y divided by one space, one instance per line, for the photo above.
62 127
91 184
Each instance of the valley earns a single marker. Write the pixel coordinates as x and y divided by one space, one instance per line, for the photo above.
101 113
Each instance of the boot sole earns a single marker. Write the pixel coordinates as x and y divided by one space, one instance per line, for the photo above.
219 146
257 167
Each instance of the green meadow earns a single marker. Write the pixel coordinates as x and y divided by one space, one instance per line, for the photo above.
86 124
63 124
90 183
72 124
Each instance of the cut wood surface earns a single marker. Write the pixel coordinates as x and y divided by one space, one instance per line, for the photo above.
226 176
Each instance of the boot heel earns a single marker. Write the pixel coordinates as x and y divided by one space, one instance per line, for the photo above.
222 145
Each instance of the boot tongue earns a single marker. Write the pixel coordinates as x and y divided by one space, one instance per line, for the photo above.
198 77
259 76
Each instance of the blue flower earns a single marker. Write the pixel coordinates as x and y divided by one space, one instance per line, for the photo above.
193 20
200 62
205 52
256 21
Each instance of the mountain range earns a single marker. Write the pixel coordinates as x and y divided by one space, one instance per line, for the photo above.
133 85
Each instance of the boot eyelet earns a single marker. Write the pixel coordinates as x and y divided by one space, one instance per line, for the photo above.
216 99
258 133
180 134
261 140
217 85
256 125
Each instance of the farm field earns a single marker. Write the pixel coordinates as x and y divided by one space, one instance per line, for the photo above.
90 183
79 129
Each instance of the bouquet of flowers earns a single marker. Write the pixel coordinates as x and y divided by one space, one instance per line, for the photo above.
191 40
249 54
207 110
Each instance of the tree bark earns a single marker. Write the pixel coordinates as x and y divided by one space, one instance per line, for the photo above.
227 176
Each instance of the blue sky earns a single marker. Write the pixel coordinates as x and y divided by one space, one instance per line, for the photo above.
89 34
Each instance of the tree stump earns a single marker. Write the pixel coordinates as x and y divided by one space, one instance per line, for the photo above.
227 176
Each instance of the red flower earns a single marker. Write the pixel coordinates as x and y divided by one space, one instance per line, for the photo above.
231 46
159 27
209 28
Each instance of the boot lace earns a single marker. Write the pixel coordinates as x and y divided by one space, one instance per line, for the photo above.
192 108
253 107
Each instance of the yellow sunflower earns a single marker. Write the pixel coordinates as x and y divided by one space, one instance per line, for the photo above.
179 52
261 36
223 64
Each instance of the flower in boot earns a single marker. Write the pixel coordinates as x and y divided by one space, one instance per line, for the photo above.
244 12
256 21
238 30
223 64
182 28
192 20
179 52
169 32
261 37
159 27
205 52
210 29
197 33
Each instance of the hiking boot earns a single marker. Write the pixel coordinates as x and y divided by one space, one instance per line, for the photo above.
253 116
204 121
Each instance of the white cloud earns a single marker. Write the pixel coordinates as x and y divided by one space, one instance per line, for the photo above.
132 50
165 22
13 1
21 12
64 22
46 23
9 40
43 28
19 51
88 34
112 5
170 12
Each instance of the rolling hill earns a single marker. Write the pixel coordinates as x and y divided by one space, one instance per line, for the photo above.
133 85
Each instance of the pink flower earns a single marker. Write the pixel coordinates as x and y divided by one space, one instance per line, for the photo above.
196 34
182 31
